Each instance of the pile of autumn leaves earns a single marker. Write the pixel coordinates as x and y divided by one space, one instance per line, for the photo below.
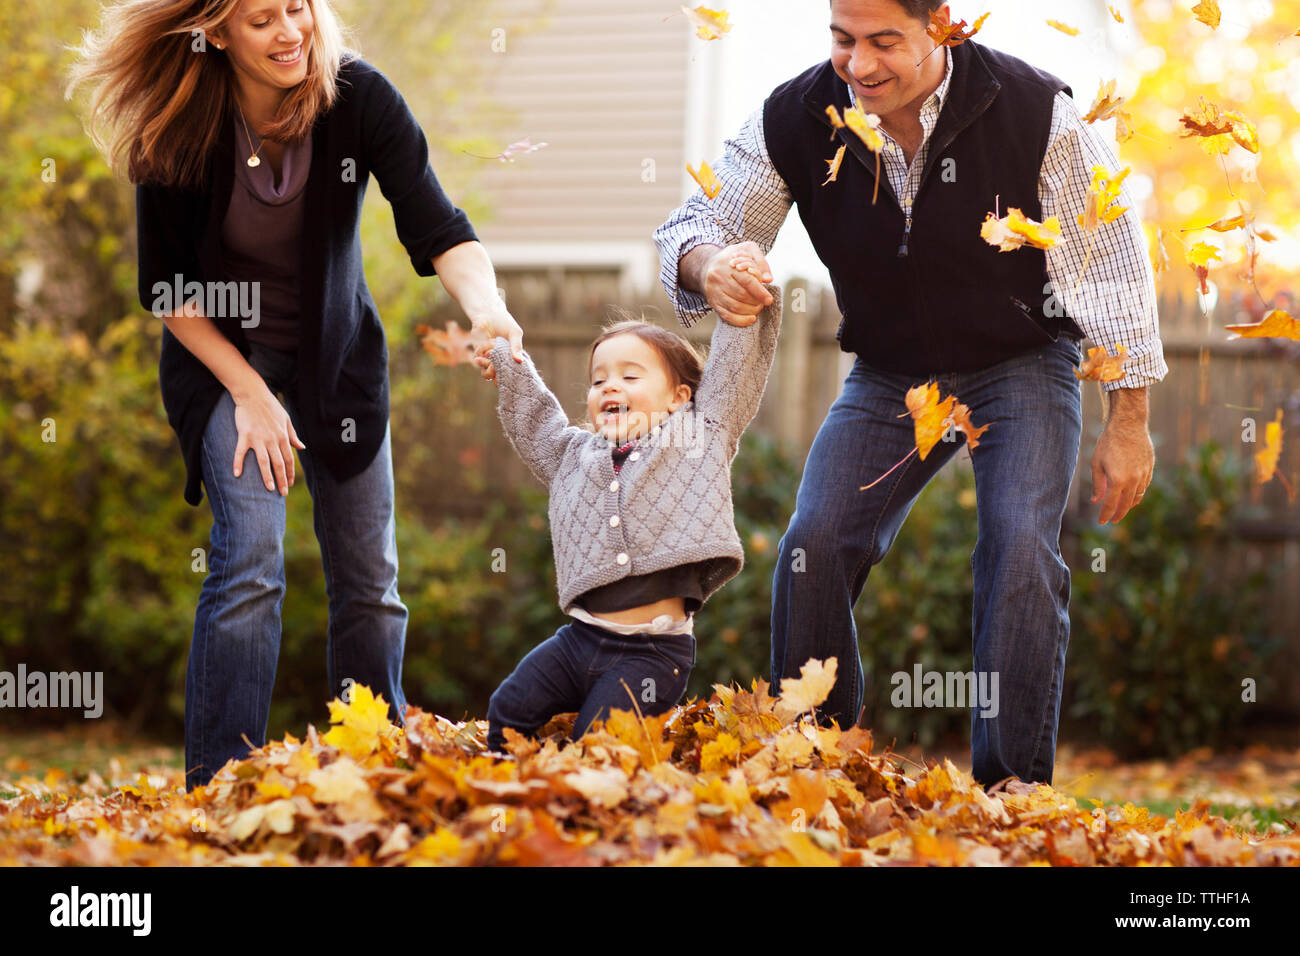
740 778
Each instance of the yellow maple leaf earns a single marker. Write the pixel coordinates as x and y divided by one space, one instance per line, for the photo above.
1101 366
1109 106
706 178
866 126
1219 129
362 723
1063 27
717 753
1207 11
709 24
1103 196
930 416
1198 257
1277 324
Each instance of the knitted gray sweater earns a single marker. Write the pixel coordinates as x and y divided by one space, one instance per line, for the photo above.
670 504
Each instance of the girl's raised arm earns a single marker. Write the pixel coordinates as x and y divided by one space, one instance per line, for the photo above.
735 374
532 416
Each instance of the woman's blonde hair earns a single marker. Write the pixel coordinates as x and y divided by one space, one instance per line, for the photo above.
164 91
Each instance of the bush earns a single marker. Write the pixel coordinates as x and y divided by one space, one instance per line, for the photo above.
1165 621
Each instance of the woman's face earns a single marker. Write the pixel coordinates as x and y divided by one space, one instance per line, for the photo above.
630 390
267 42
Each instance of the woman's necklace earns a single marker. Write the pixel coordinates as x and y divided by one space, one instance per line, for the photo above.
252 160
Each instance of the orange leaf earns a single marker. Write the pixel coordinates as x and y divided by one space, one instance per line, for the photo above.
1119 17
834 165
452 347
930 416
952 34
1277 324
961 421
1100 366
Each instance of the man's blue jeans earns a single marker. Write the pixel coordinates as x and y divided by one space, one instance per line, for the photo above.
237 625
1023 468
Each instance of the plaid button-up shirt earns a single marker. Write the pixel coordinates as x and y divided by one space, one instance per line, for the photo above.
1115 304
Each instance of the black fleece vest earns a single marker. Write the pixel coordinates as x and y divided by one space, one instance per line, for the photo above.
934 297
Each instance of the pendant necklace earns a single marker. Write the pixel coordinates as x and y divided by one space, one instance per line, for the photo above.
253 159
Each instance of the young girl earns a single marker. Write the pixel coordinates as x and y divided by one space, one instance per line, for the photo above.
641 515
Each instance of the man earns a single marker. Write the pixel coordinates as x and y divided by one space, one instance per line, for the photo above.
924 298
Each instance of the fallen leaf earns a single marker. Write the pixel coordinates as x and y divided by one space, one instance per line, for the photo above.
810 689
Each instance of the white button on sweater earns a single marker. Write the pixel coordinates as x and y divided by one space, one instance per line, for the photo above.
675 505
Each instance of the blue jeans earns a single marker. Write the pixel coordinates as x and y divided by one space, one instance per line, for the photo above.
1023 468
583 667
237 625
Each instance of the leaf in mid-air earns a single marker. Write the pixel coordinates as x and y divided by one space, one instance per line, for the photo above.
1207 11
952 34
1015 230
1266 458
1277 324
1199 257
1100 366
452 347
706 178
834 165
1064 28
1103 198
1219 129
1109 106
810 689
709 24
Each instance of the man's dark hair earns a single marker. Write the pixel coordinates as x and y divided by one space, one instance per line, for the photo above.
917 9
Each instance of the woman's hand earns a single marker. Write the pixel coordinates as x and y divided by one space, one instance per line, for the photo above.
264 427
501 324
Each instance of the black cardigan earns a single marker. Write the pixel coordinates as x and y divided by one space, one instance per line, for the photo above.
342 353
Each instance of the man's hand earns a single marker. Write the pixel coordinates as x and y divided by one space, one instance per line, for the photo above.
1124 460
731 279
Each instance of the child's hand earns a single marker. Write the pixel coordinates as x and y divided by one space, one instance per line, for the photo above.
483 359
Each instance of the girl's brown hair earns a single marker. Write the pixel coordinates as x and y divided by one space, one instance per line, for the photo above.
164 90
682 360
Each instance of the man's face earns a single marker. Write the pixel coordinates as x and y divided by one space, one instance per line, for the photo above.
877 42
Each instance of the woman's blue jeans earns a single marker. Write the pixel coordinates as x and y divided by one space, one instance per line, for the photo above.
1023 468
236 640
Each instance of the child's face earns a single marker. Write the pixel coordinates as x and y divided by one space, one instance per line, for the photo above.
627 371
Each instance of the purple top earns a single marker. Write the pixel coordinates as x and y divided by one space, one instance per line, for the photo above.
261 237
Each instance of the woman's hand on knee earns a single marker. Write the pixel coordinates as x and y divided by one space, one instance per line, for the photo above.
265 428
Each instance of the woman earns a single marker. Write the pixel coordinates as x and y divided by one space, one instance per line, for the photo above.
251 130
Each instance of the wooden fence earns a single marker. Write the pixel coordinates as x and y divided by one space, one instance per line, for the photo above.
1213 384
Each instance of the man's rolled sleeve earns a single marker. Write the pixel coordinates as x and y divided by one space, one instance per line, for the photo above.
1105 279
751 206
